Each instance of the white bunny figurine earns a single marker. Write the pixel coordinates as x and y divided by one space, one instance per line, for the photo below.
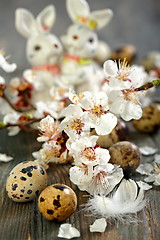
81 45
43 50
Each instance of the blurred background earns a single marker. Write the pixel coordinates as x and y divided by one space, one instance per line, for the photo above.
135 22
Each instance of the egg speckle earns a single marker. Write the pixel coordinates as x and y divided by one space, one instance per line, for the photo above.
150 120
119 133
57 202
26 181
126 155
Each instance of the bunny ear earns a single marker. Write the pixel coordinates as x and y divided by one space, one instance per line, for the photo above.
101 17
77 8
24 22
46 18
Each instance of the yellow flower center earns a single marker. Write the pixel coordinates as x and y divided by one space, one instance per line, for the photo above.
124 70
89 153
98 111
129 95
77 125
54 152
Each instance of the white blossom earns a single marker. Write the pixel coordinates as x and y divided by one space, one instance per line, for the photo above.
84 151
125 104
51 152
48 128
12 118
97 109
7 67
13 88
52 108
120 76
104 179
58 93
81 176
152 171
34 79
75 123
96 180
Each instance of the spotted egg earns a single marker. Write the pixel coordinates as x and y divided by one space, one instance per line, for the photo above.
150 120
26 181
126 155
57 202
127 51
119 133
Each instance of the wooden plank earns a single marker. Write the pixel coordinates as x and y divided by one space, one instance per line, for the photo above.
23 220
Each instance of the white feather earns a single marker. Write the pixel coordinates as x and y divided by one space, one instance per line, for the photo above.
124 202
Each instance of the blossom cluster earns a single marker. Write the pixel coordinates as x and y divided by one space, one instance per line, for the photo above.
92 171
120 85
68 96
54 143
66 133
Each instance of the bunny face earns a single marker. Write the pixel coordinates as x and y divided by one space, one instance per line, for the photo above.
80 41
42 46
43 49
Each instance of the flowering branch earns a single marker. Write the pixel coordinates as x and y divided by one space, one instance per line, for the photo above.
23 122
13 106
148 85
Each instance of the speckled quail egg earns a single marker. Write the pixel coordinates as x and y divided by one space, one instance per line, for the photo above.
26 181
57 202
126 155
127 51
150 120
119 133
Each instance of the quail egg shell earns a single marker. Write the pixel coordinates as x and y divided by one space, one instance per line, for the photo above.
26 181
119 133
57 202
150 120
126 155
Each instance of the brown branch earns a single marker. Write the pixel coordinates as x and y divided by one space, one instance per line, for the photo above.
148 85
24 125
17 109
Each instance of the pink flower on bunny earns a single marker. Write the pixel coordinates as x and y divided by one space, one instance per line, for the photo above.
82 46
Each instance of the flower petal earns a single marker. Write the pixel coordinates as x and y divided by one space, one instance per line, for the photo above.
110 67
6 66
87 100
67 231
5 158
147 150
106 124
144 169
2 80
99 225
131 111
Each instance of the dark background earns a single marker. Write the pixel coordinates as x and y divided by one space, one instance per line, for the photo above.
135 21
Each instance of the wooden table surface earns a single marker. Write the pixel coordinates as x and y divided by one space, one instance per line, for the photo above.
22 221
135 22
